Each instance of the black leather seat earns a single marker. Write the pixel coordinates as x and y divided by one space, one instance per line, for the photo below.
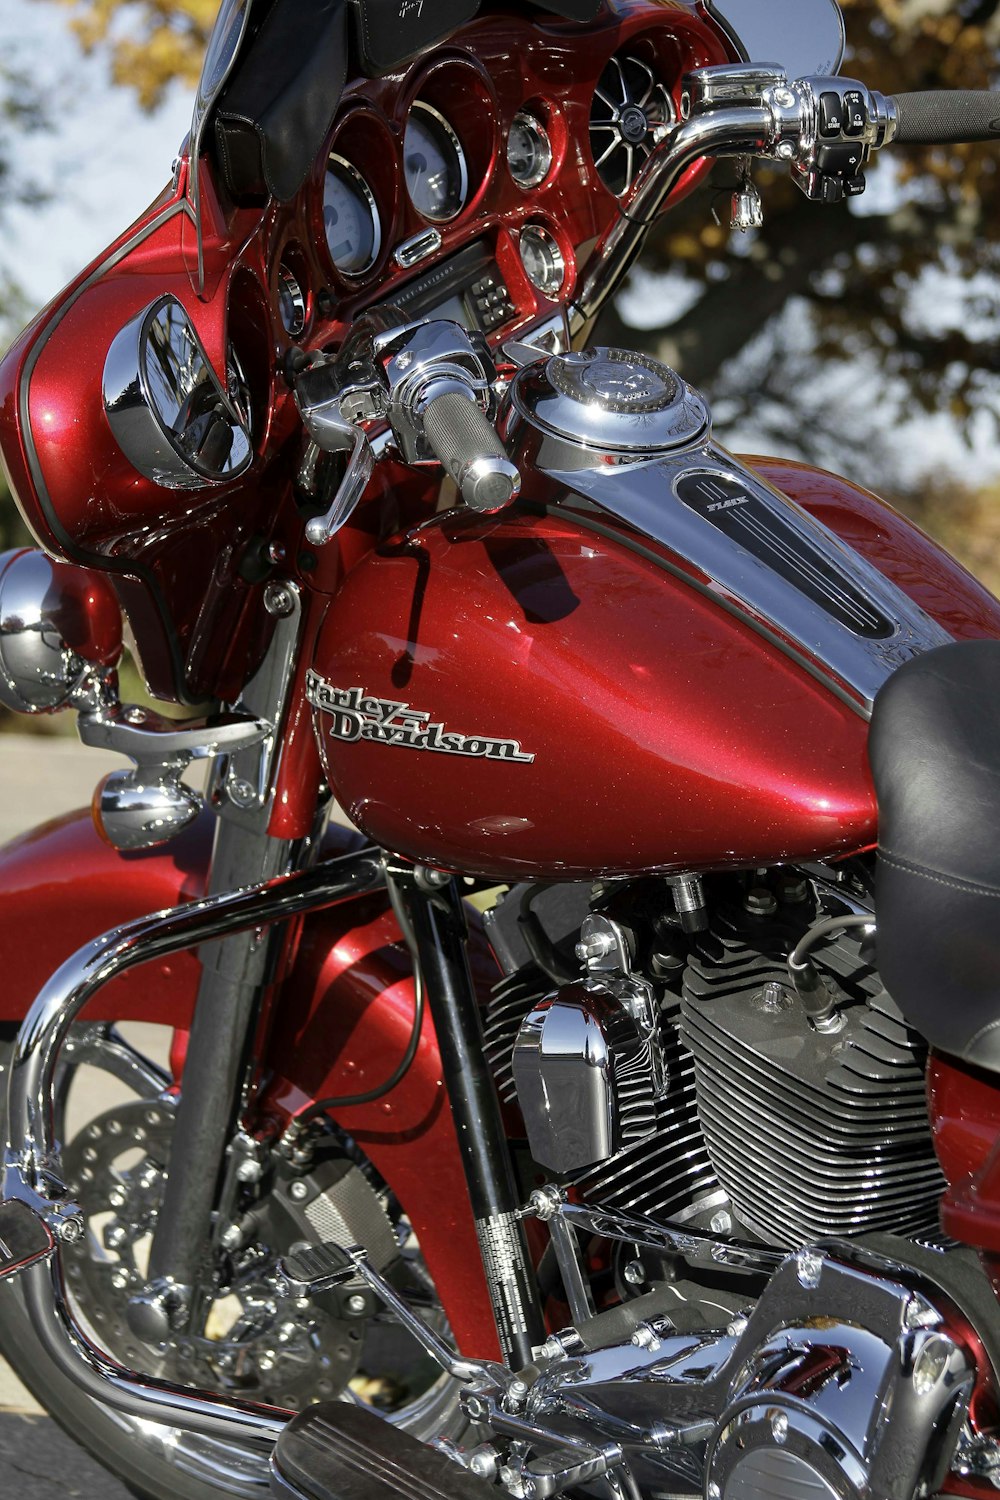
935 757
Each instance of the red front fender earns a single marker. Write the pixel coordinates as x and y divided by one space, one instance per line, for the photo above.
341 1022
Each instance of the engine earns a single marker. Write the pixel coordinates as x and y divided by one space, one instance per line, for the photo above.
698 1110
752 1120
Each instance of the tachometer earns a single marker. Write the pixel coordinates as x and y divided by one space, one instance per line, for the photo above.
350 217
437 178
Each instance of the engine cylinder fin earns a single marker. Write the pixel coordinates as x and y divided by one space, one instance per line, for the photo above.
810 1134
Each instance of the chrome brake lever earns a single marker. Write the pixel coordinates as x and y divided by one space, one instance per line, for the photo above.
331 432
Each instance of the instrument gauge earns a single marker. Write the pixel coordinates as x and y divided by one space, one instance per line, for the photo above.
542 259
350 218
437 178
529 150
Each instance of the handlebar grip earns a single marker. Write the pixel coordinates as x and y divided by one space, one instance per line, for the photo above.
470 451
947 116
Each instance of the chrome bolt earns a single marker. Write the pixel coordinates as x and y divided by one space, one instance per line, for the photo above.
760 902
779 1426
635 1273
356 1304
249 1170
737 1327
714 1493
120 1280
919 1313
116 1197
241 792
476 1408
404 360
71 1230
276 552
808 1267
265 1361
299 1190
115 1236
786 150
931 1363
721 1223
645 1337
483 1461
278 599
784 98
231 1237
552 1349
594 945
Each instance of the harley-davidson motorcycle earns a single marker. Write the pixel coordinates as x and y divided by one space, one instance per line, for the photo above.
592 1110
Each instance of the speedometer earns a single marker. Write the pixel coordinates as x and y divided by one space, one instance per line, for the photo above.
437 178
350 218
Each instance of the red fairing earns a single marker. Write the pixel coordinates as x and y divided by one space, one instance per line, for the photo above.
189 566
631 724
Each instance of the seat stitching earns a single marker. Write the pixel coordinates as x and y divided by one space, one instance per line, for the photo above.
979 1036
956 885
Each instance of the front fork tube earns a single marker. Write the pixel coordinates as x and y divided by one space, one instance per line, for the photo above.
439 931
236 973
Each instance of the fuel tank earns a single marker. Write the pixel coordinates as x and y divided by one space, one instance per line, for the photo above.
648 666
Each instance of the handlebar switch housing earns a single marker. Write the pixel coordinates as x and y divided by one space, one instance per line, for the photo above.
422 361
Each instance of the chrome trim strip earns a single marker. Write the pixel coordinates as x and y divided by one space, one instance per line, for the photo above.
32 1164
645 496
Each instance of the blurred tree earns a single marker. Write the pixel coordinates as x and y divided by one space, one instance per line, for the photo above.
149 42
900 285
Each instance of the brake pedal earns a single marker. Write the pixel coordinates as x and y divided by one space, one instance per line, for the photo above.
339 1452
24 1237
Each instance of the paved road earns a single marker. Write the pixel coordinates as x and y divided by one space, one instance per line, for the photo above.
40 778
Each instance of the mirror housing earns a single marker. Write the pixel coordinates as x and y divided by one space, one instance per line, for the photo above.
804 37
169 413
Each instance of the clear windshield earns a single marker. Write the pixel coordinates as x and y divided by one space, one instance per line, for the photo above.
223 46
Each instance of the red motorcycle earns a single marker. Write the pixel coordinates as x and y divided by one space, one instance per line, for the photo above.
558 1126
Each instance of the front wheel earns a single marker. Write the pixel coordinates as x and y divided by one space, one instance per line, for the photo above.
248 1341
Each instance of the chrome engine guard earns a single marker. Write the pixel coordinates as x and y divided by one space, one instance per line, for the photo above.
31 1169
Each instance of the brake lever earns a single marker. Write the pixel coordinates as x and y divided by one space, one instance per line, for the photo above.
332 432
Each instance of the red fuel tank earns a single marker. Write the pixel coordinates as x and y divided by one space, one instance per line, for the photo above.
525 698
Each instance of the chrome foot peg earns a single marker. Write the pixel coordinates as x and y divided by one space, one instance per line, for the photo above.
24 1237
313 1269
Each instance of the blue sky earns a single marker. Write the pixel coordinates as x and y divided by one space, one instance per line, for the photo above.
102 162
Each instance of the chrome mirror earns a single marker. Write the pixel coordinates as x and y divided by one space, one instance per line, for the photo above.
169 413
804 37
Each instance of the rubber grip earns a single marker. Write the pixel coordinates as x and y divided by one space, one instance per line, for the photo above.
947 116
470 451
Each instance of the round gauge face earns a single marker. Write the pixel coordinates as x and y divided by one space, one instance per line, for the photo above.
529 151
542 259
434 164
350 218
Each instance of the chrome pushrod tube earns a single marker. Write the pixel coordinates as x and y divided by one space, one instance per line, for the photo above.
731 131
32 1156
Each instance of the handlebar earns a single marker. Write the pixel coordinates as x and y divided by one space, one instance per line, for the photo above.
947 118
470 451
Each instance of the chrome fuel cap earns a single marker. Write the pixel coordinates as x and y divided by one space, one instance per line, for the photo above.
613 400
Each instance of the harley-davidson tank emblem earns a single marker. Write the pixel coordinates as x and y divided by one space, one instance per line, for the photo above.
356 715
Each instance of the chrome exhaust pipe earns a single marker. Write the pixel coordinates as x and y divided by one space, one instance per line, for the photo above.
32 1165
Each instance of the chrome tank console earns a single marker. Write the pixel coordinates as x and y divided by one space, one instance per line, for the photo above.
621 433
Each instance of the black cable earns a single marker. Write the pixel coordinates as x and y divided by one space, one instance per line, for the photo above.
322 1106
797 957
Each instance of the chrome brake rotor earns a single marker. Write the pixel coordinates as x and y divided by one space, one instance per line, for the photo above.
254 1343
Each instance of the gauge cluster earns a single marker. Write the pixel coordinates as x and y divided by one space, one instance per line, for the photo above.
475 184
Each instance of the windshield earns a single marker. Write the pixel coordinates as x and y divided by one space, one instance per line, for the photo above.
223 45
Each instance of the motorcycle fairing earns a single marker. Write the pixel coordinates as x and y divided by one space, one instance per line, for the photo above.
343 1019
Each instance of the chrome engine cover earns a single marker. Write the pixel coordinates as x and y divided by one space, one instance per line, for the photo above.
792 1400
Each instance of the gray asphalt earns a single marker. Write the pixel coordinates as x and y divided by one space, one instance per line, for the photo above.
41 777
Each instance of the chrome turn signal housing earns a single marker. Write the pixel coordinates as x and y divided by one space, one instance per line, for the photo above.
60 629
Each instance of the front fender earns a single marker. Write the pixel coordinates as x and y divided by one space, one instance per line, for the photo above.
340 1023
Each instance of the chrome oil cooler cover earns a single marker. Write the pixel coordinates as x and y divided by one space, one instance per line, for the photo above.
612 400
